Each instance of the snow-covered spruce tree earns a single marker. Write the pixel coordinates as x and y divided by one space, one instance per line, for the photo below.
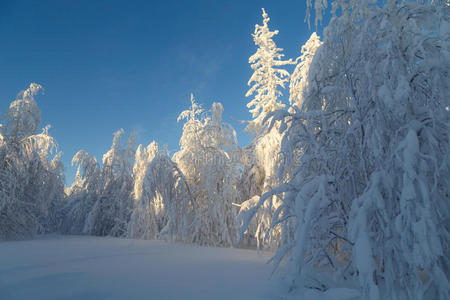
163 205
267 76
206 160
31 180
367 204
260 157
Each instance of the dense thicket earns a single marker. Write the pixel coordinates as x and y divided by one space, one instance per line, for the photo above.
368 133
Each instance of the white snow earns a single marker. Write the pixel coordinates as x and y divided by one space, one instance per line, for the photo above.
81 267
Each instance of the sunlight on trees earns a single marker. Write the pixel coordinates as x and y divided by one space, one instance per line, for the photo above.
348 184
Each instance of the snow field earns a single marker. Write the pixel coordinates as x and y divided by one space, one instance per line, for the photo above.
75 267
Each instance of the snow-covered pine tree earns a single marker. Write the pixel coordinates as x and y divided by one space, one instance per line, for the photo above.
206 160
367 203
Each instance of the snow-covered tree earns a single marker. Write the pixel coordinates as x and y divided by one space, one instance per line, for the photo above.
367 202
267 77
31 179
100 200
24 117
260 174
82 194
206 160
298 84
111 211
163 205
260 158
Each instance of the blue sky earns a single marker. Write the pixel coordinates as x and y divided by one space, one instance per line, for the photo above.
107 65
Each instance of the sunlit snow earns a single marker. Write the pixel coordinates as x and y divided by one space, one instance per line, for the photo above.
76 267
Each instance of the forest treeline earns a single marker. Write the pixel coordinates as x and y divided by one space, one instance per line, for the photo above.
348 183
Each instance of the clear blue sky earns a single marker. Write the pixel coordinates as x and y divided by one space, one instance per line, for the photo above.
107 65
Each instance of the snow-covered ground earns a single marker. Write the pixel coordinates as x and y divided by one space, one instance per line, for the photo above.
74 267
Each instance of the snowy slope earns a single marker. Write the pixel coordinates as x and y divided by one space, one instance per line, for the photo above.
73 267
